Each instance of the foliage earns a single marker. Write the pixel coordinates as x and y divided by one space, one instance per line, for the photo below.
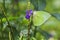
44 20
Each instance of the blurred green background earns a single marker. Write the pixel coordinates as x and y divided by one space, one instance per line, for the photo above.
45 24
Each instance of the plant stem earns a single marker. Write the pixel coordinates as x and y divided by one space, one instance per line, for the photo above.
35 31
22 38
9 26
4 12
1 27
29 26
9 36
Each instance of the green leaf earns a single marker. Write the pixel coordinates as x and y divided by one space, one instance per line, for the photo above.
2 15
39 17
44 33
56 15
32 38
23 5
39 4
51 24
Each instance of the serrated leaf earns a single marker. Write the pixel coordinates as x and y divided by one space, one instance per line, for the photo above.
39 17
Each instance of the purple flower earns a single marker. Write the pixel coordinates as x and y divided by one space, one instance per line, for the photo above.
28 14
27 17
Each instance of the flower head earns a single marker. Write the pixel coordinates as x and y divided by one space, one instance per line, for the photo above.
28 14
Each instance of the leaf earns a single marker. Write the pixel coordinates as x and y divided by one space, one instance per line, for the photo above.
14 32
2 15
56 15
44 33
39 4
33 38
39 17
24 32
51 24
23 5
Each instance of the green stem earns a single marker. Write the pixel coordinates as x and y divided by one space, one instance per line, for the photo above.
35 31
1 27
4 12
22 38
1 24
29 26
9 26
9 36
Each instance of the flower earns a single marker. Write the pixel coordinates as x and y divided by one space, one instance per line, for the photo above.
28 14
